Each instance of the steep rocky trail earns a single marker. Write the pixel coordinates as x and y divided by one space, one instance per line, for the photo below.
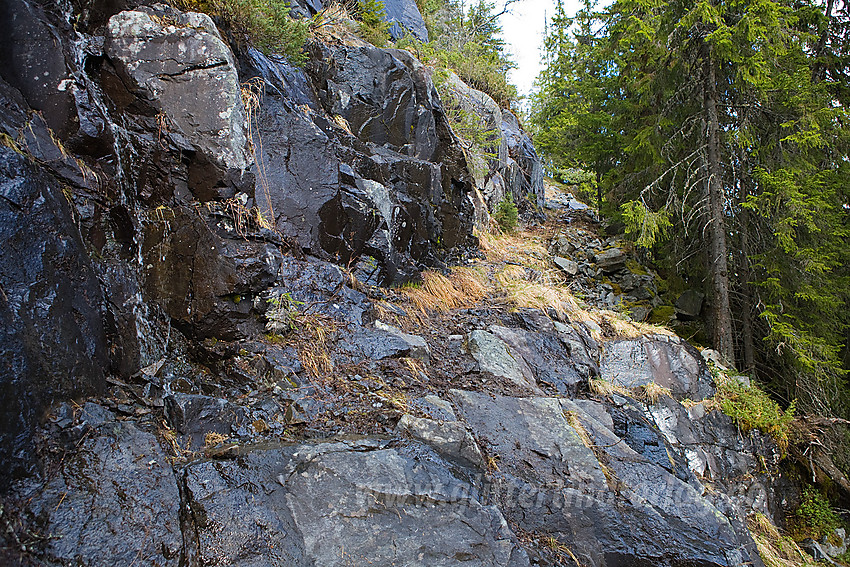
484 436
256 314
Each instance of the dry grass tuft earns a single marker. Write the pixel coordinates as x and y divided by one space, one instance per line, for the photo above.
462 288
335 25
651 392
627 329
522 248
575 423
606 389
776 550
212 439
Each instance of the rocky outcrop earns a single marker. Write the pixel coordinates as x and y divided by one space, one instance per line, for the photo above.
368 164
501 156
177 63
200 368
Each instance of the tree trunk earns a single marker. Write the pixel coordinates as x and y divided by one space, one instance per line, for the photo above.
718 257
746 312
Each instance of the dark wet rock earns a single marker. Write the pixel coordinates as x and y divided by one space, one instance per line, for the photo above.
337 503
52 338
203 283
195 416
178 62
40 74
451 439
322 287
405 19
670 363
385 341
114 501
689 305
366 168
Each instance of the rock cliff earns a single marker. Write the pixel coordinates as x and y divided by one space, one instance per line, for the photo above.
205 362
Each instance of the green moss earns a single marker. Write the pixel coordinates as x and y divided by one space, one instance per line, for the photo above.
752 408
635 268
266 23
662 314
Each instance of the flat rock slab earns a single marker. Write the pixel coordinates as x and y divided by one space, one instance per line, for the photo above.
451 439
532 438
339 504
548 356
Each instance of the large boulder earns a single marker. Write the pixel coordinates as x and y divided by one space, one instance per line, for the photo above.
178 64
52 338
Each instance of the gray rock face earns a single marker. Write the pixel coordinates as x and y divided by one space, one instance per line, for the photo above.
674 365
179 63
526 172
52 340
630 510
334 504
546 354
493 356
533 440
405 18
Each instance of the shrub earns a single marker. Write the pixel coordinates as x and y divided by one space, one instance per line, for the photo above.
266 23
373 27
506 214
752 408
814 518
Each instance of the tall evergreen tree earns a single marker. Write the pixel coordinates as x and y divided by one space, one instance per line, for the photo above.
724 128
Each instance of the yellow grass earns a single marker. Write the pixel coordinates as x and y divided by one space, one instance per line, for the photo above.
606 389
776 550
651 392
464 287
575 423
